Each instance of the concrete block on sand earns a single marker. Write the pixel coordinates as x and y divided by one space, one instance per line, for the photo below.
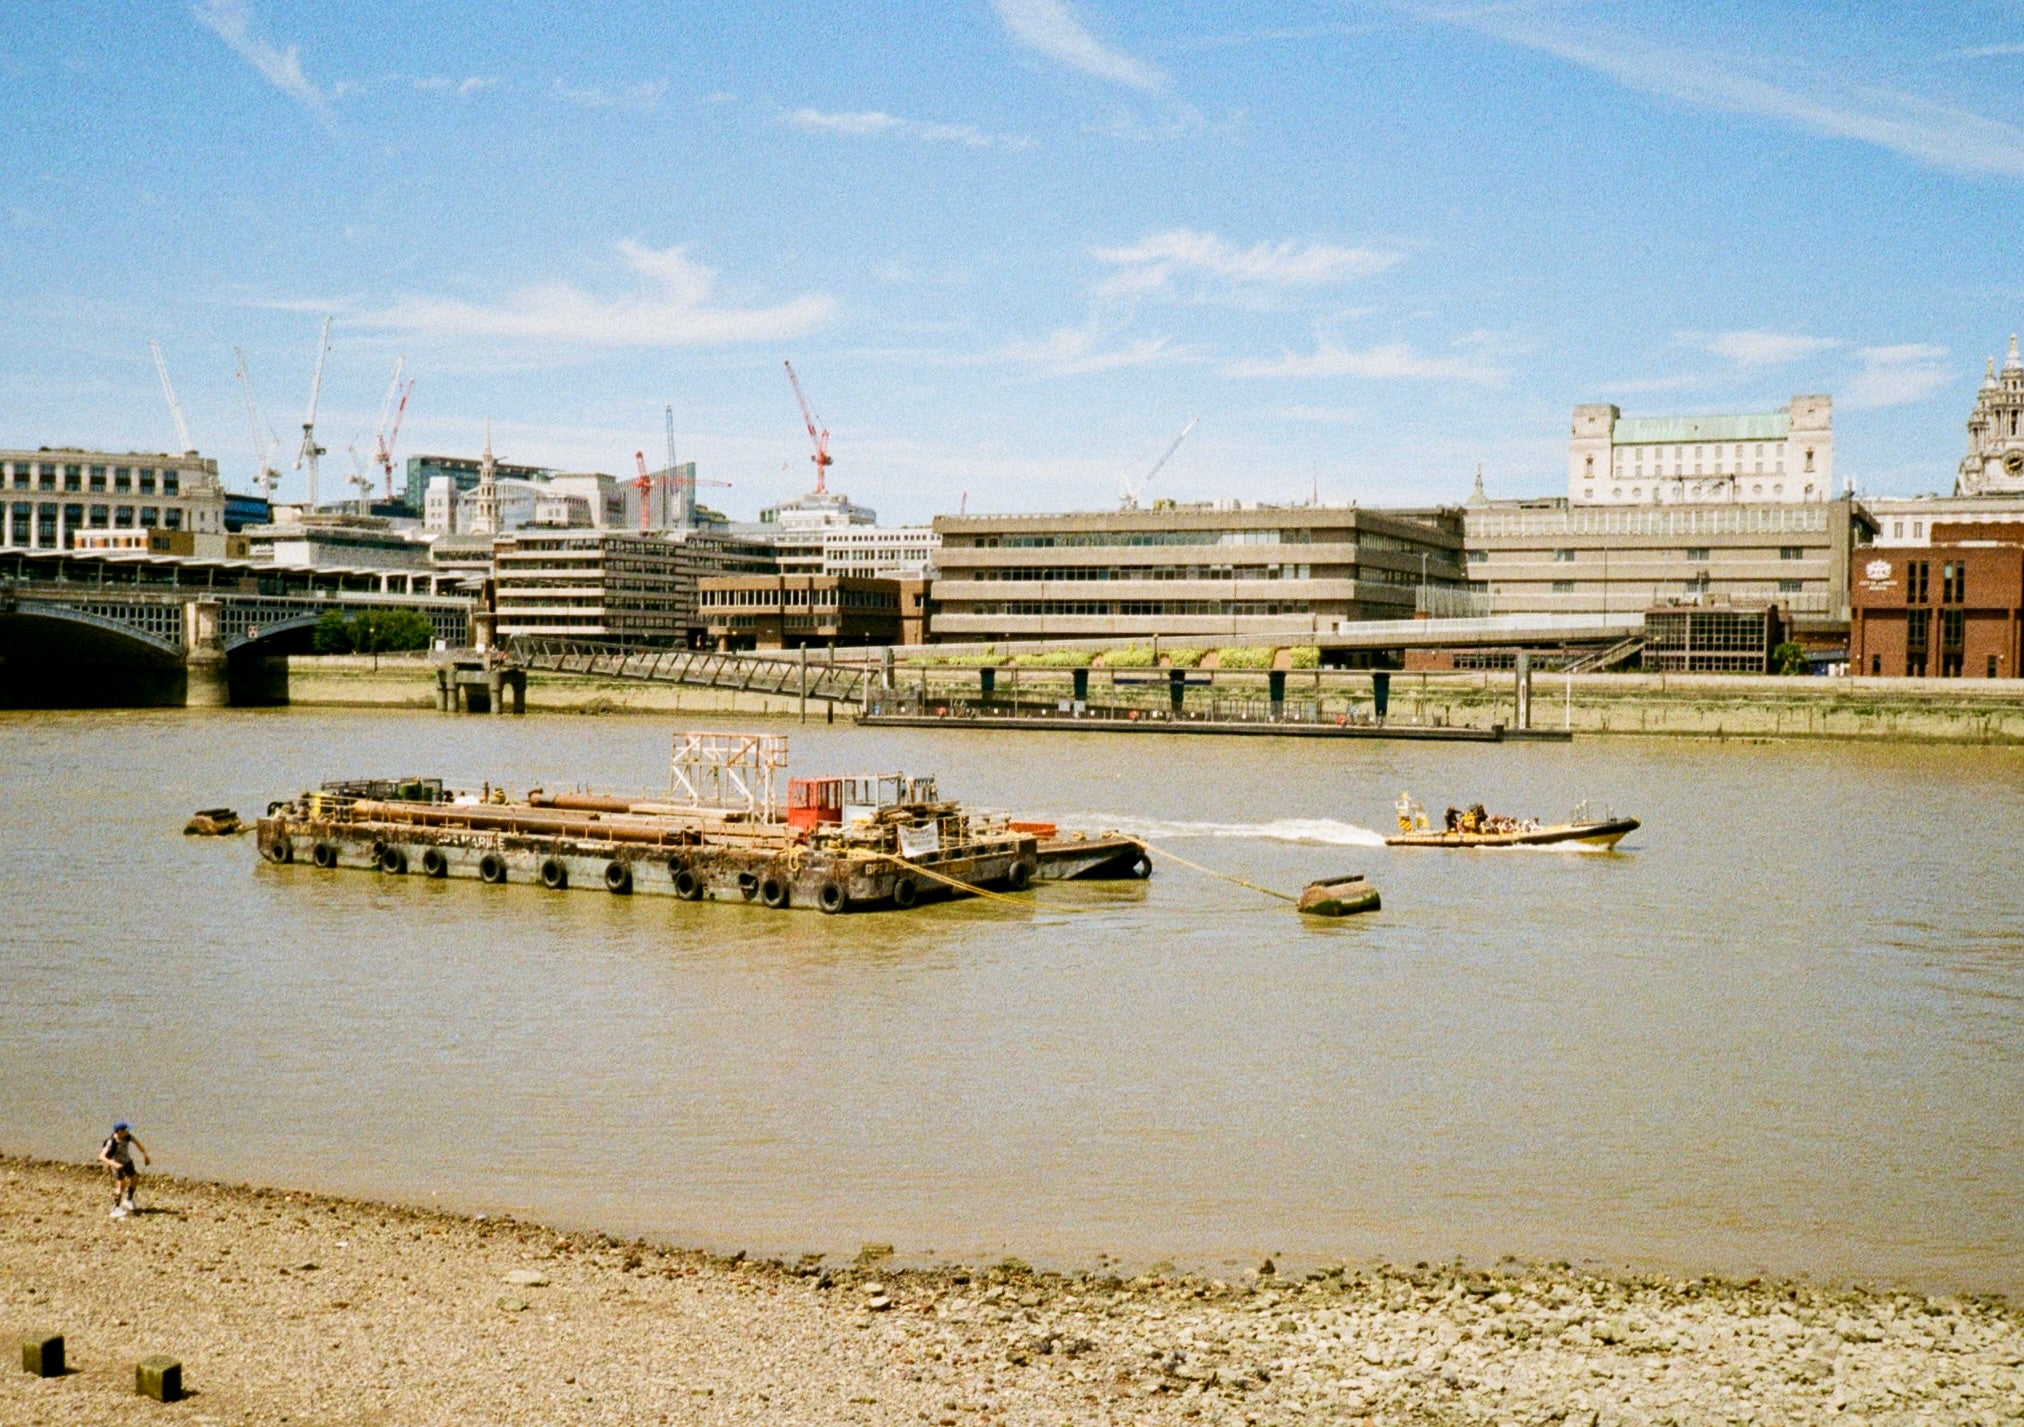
160 1378
43 1356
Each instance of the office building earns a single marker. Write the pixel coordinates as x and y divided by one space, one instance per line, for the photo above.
49 495
783 611
887 551
462 474
1782 457
1952 608
1224 572
589 584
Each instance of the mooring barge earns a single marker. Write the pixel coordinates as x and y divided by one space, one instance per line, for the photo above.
838 844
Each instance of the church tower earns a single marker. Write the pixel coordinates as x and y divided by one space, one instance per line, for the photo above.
1994 464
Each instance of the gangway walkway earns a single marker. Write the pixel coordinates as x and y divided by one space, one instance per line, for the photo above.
788 674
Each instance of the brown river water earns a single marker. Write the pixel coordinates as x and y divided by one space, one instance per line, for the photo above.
1781 1031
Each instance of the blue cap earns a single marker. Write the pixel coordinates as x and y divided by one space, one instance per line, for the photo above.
118 1125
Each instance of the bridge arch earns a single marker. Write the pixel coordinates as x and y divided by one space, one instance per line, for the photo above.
62 656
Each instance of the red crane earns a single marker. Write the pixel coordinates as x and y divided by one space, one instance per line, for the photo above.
645 486
820 438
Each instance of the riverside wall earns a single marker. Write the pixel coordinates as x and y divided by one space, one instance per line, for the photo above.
1692 705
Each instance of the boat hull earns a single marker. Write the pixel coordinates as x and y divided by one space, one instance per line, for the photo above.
1111 857
781 877
1600 835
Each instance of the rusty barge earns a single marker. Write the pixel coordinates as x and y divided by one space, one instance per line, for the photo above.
720 834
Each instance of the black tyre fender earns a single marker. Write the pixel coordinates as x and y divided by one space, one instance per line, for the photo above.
906 892
554 876
324 855
1019 876
617 878
748 886
492 869
688 886
832 897
393 860
773 891
1142 867
434 864
281 851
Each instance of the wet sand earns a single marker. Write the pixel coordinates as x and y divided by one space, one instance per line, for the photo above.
296 1308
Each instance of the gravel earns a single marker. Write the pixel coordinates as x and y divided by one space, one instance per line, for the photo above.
299 1309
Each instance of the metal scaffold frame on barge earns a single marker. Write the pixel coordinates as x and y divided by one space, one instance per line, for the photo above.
736 772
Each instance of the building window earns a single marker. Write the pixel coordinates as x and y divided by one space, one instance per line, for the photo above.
1590 467
1953 583
1897 530
123 518
73 478
1992 666
172 518
1697 552
1953 641
1918 631
1791 587
1791 552
1917 575
1563 557
1477 557
1563 587
1876 664
99 516
1809 458
1616 493
172 483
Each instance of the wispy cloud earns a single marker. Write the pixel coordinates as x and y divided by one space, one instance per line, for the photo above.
1897 375
1989 52
1074 351
674 306
644 96
232 22
1756 347
444 84
1050 27
1392 361
878 124
1154 264
1818 99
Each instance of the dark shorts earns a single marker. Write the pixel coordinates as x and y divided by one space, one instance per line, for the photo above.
124 1171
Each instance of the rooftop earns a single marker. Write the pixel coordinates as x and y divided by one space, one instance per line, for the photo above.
1759 426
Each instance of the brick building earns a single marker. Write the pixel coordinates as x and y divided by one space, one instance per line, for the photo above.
1951 609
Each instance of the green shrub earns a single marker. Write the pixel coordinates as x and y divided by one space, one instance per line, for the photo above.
1306 656
1185 658
1138 656
1789 658
372 631
1055 659
1244 658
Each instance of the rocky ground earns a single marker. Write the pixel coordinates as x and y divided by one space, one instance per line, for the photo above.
290 1308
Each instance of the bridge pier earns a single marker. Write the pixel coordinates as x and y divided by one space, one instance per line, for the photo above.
206 668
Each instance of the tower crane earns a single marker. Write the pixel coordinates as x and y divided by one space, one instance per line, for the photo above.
820 438
393 406
169 391
306 458
645 486
263 450
1129 491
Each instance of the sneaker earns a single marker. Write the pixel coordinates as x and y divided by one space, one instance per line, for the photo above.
120 1212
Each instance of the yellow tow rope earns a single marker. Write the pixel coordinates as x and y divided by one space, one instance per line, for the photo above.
962 886
1212 872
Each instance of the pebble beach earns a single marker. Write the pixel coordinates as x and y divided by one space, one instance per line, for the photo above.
296 1308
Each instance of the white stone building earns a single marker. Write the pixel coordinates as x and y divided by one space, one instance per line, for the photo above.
1782 457
887 550
1994 464
49 496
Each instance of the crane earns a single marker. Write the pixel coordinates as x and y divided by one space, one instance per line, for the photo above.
1129 491
306 458
821 439
360 477
394 406
169 391
265 473
645 486
685 491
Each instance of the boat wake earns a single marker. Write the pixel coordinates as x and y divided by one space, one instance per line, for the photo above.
1323 832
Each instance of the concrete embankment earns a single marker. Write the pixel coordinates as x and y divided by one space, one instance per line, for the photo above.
1694 705
295 1307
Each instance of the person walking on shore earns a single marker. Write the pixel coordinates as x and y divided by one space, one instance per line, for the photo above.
116 1154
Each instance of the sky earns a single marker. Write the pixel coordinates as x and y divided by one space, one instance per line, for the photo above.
1012 247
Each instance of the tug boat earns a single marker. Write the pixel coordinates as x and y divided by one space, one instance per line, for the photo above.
1586 826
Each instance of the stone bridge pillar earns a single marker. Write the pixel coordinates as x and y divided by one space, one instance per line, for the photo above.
209 681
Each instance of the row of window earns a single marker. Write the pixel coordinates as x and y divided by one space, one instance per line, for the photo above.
44 475
47 519
1039 574
1697 492
1164 607
1083 539
1919 582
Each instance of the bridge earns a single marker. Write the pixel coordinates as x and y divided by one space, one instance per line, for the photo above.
842 676
130 629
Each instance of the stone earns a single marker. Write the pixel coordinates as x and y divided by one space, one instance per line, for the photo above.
160 1378
872 1253
43 1356
509 1304
526 1278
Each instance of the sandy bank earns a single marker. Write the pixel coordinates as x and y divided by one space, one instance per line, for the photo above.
295 1308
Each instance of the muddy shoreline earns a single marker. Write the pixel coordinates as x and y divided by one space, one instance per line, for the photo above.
286 1306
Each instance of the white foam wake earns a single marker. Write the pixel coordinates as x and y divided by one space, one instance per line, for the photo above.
1325 832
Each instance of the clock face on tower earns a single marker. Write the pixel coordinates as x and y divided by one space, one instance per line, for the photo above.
2014 463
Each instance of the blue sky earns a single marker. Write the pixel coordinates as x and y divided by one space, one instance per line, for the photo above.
1012 246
